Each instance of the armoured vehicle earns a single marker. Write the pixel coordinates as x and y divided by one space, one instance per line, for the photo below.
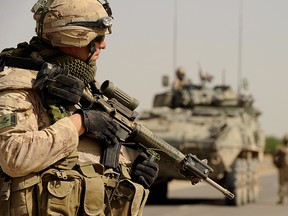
213 123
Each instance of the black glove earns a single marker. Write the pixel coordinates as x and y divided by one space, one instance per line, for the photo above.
100 126
55 81
144 171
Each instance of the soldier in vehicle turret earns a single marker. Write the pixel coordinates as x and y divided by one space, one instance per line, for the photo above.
181 79
280 160
179 98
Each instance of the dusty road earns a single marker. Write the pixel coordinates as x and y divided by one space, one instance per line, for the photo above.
203 200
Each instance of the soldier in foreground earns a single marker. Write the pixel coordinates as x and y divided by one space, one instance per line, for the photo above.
50 148
280 160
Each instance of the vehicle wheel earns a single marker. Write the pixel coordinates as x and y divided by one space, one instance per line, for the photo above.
253 186
245 182
158 193
235 182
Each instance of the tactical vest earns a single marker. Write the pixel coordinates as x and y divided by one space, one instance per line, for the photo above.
280 157
86 189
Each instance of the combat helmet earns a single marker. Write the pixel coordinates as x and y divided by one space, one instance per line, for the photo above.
180 72
72 23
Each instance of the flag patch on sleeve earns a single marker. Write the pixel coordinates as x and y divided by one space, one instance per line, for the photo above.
8 120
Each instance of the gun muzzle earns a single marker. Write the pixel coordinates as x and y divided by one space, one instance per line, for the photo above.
227 193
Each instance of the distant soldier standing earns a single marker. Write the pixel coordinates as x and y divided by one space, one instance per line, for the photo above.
280 160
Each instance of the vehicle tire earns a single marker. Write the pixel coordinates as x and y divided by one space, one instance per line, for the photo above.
245 182
253 186
235 181
158 193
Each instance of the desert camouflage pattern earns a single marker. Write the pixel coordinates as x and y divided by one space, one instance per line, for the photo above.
33 136
62 12
32 144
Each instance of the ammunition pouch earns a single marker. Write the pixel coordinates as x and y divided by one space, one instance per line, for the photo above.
129 199
60 192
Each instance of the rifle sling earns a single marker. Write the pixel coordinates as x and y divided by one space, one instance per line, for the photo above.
23 63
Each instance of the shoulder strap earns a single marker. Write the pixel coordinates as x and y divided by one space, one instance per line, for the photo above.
19 62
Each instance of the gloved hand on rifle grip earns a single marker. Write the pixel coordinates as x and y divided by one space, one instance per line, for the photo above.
144 171
55 81
100 126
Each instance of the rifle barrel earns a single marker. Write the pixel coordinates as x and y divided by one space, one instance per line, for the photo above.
220 188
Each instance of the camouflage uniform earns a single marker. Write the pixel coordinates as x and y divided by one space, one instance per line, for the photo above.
280 160
34 137
46 168
33 128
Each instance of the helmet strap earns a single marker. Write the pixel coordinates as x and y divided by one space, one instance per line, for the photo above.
92 50
40 25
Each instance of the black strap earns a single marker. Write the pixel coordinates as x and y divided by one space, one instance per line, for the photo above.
24 63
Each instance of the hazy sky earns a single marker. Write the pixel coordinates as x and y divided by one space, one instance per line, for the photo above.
140 50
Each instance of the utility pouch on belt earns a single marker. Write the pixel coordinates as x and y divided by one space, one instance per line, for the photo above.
5 190
18 195
129 199
94 195
71 192
60 192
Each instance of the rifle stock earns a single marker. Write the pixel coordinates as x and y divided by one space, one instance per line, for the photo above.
120 107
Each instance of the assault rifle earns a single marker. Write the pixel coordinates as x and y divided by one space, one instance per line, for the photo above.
121 107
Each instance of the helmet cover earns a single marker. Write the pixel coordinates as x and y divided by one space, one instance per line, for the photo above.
72 23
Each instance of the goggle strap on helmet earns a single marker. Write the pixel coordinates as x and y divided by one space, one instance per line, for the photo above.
105 22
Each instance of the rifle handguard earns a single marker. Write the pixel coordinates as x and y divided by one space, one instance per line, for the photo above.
192 163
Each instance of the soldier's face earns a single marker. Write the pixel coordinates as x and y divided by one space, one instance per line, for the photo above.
181 76
83 53
99 46
76 52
